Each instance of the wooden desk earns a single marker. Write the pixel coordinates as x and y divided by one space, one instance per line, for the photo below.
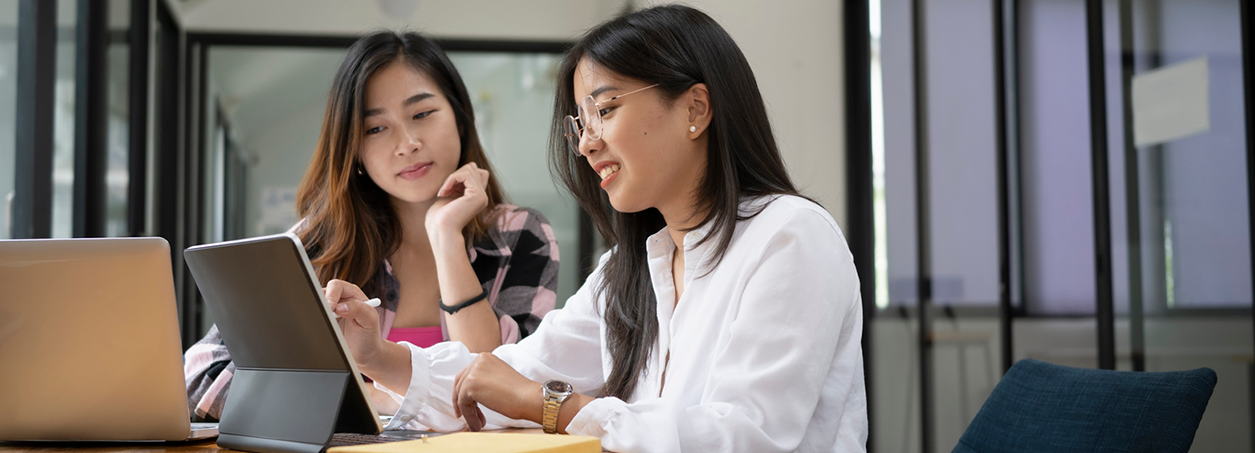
206 446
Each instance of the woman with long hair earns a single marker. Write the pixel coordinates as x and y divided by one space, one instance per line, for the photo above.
726 315
399 199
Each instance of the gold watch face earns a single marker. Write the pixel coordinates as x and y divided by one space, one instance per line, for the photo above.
558 387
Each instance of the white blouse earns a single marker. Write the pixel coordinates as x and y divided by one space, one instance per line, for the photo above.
764 348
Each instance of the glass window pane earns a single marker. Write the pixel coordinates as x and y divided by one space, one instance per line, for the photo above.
962 194
963 187
8 110
272 101
1203 186
1194 219
117 175
1058 201
898 138
513 97
63 121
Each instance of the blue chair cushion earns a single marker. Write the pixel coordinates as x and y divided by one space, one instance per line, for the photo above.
1041 407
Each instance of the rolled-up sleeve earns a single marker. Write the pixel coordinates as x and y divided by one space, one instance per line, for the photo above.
207 372
566 346
526 289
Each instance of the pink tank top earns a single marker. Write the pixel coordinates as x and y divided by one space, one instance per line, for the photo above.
423 337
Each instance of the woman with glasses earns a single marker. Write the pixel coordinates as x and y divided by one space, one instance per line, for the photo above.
399 199
726 315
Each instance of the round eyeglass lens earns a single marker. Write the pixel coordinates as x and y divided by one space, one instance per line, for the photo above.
572 132
591 118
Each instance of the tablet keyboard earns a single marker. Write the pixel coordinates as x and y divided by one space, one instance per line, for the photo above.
348 439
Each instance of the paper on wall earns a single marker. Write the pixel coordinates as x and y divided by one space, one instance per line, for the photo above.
278 210
1170 102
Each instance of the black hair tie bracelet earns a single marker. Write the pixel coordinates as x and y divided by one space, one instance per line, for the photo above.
472 301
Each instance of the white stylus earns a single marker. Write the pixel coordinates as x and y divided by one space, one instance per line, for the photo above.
372 303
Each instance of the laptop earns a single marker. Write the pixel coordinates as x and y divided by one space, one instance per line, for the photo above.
296 387
89 342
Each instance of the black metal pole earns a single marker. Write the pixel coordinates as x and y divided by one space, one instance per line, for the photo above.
860 214
1000 139
168 125
137 108
923 223
91 118
1248 66
1098 167
1014 186
200 179
194 94
31 215
1132 191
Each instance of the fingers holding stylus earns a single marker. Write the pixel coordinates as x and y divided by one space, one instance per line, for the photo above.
347 300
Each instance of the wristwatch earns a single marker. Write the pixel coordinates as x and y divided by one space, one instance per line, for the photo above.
555 392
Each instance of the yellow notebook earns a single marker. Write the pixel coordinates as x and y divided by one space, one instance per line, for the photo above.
484 442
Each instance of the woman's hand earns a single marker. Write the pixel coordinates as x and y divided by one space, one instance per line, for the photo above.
386 362
495 384
359 322
461 198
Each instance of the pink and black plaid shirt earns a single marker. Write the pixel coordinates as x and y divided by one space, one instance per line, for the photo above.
517 264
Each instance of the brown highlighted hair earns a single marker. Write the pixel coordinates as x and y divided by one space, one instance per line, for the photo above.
350 226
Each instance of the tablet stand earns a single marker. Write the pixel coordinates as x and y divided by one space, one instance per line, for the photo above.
291 411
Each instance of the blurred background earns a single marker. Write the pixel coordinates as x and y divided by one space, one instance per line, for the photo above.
1064 180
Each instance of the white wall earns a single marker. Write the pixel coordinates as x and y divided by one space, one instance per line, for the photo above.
795 49
504 19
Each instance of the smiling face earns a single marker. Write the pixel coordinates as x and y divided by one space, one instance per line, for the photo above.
647 157
410 142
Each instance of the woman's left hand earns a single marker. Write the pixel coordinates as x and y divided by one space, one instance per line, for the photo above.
490 381
461 198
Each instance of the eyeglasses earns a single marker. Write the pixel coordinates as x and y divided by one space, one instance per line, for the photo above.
589 121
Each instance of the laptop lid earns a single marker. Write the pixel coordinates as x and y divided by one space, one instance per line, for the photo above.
295 382
89 341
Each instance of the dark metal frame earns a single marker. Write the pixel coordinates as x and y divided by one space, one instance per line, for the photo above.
91 118
860 215
923 220
187 218
1102 198
168 129
333 41
36 72
1133 214
1248 66
1004 202
137 122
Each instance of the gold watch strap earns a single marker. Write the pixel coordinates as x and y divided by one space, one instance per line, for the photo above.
550 416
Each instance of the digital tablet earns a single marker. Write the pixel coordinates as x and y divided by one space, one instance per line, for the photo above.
295 382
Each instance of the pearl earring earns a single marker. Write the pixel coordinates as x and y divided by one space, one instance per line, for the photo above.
692 128
359 170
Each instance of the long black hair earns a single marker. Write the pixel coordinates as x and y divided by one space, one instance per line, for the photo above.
675 47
